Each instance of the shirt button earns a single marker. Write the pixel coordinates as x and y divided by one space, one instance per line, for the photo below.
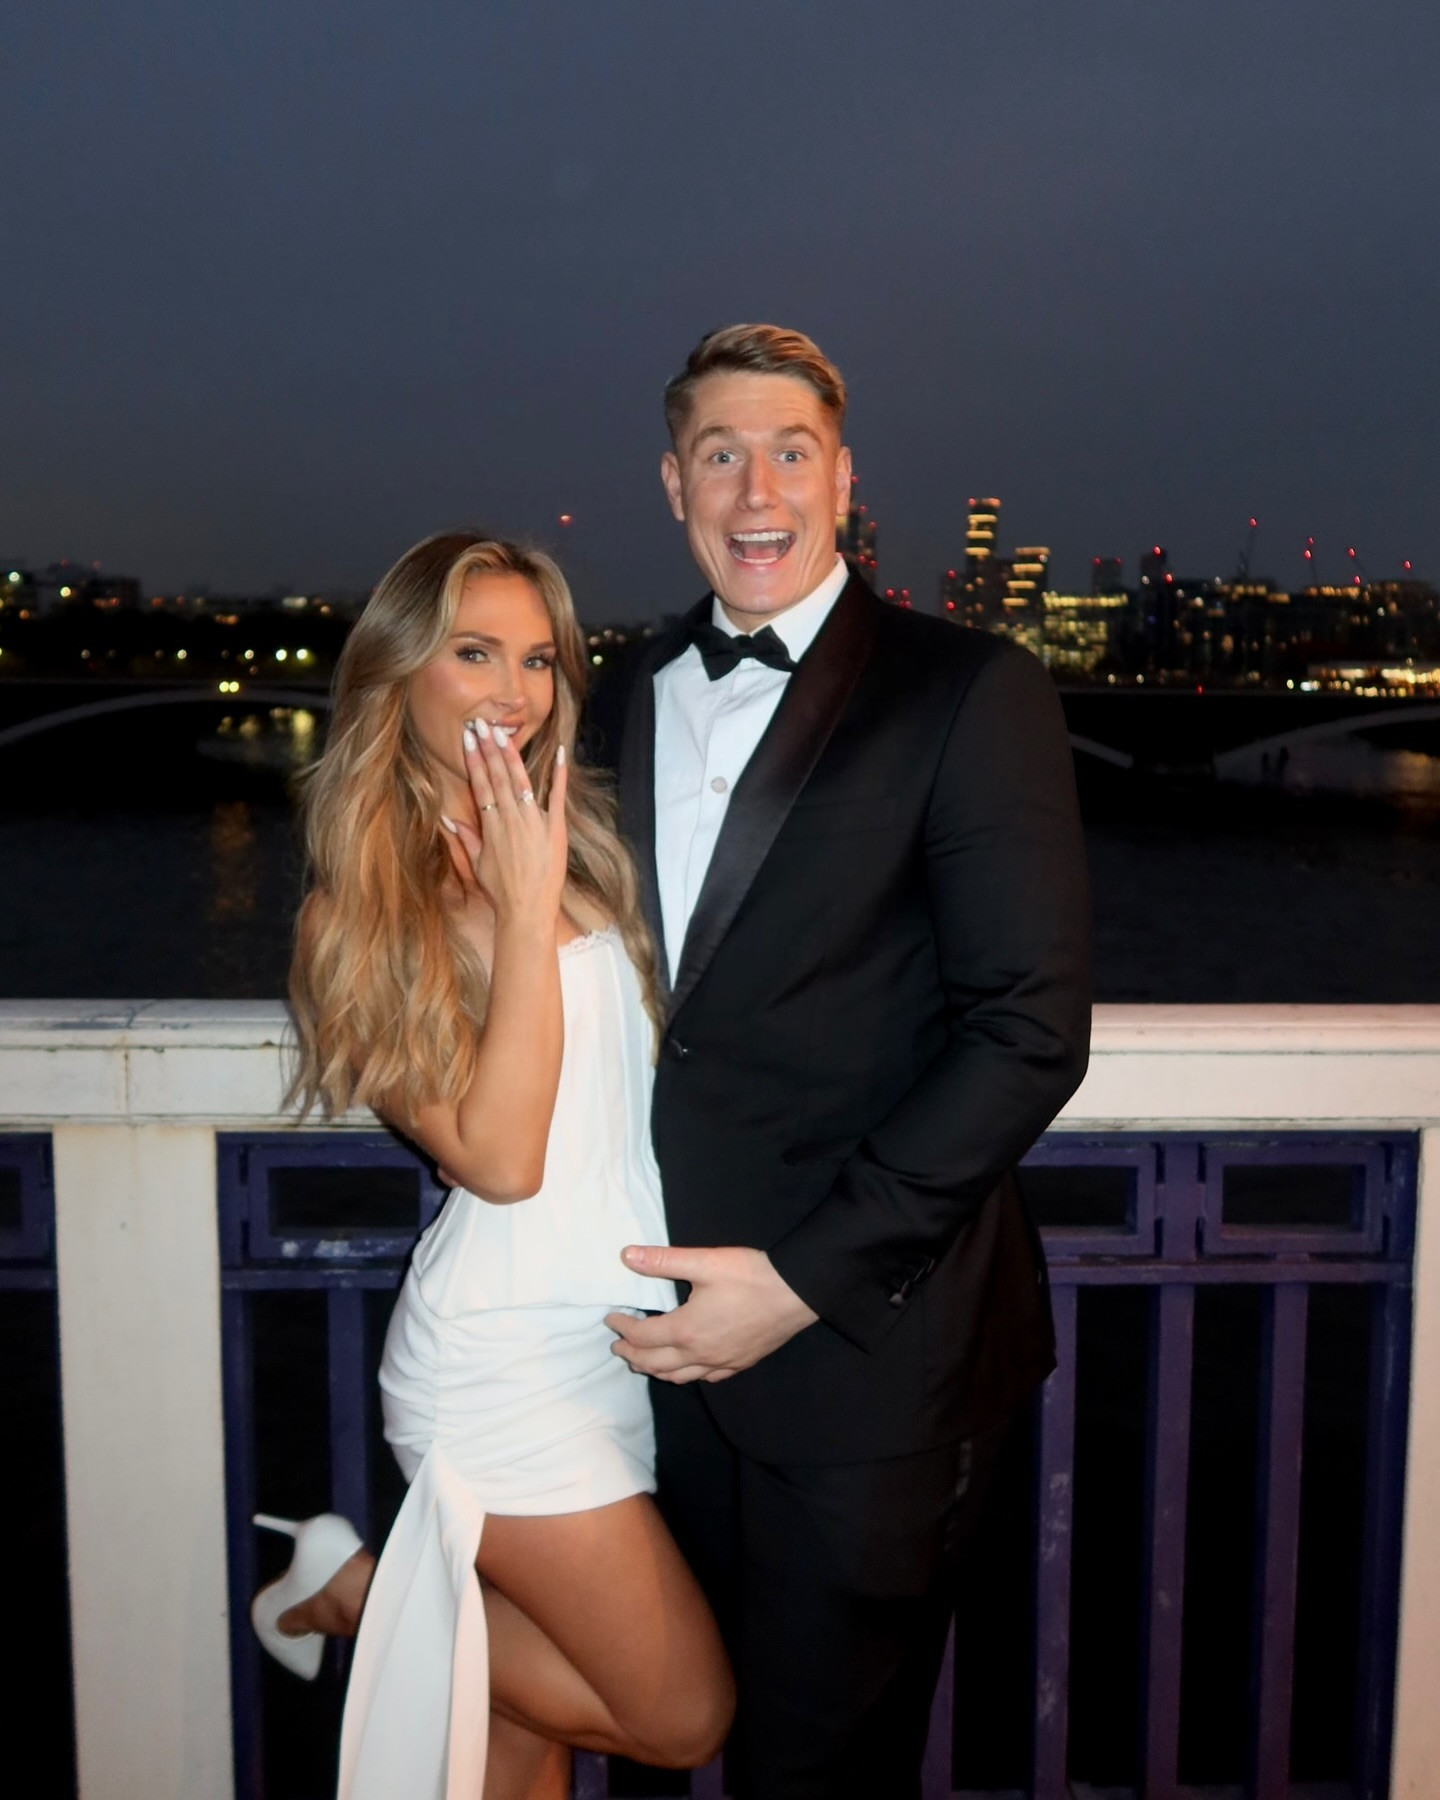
720 785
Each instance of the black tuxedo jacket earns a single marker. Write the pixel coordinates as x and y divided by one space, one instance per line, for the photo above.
883 999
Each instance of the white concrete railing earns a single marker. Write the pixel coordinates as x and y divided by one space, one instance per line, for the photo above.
132 1095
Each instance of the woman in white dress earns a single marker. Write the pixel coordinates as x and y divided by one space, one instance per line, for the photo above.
471 963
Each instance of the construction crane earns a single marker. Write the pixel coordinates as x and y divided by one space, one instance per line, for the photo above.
1242 566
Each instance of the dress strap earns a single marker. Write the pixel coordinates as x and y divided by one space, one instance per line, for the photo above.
417 1711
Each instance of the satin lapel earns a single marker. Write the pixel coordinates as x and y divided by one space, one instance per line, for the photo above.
637 772
808 712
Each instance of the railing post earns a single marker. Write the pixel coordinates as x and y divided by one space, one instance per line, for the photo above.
239 1393
1162 1588
1383 1524
1277 1550
1415 1771
589 1777
138 1271
351 1380
1056 1478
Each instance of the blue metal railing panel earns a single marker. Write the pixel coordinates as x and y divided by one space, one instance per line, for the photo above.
27 1211
334 1216
38 1697
1356 1227
1172 1218
1115 1219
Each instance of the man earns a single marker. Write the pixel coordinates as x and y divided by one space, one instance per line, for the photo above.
859 850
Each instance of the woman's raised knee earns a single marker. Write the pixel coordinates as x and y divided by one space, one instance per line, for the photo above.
690 1727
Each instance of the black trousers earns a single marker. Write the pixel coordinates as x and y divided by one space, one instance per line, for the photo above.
833 1585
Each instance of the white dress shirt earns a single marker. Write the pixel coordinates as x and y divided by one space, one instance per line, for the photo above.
705 733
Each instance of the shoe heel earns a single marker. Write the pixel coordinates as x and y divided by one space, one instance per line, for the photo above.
322 1546
268 1522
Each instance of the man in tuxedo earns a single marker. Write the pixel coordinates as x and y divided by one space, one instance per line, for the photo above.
860 854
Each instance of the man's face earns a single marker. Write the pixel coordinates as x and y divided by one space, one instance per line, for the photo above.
758 479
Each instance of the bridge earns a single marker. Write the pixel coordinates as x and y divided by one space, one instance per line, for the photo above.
146 699
1269 753
30 705
1226 732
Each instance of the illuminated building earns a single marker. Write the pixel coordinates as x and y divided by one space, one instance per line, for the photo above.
983 573
1025 581
1371 679
70 584
856 535
1079 631
982 527
1176 629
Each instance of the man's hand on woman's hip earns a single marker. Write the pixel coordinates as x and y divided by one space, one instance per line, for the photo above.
739 1311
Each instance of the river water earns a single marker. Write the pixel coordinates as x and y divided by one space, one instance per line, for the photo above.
154 863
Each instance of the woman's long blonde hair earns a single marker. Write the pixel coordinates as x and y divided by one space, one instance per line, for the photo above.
388 996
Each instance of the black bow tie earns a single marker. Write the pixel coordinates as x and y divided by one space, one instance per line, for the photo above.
723 654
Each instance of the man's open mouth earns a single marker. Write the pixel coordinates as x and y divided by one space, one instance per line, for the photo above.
759 546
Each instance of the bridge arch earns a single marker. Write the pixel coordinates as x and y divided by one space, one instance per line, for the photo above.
1085 746
1246 758
320 702
99 709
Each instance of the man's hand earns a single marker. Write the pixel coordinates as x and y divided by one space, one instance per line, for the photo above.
738 1311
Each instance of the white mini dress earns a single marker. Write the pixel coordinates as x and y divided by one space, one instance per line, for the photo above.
501 1393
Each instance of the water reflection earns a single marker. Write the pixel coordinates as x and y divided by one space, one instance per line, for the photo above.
284 739
1351 766
234 865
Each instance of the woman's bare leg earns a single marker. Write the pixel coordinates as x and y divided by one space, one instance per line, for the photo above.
337 1607
600 1636
522 1766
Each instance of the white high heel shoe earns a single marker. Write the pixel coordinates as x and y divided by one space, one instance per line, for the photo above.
323 1545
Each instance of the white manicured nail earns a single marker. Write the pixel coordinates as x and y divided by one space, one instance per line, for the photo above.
560 756
471 741
482 730
450 825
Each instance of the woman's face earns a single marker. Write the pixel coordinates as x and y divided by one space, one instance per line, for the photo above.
498 664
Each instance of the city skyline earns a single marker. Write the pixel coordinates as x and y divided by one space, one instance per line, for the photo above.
1315 561
1245 631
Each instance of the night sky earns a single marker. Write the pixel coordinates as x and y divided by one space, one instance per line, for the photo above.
289 285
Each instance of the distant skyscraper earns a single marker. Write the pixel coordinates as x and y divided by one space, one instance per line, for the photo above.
1154 566
982 583
856 535
1107 575
982 527
1026 581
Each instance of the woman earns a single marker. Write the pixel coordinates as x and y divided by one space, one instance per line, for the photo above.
471 963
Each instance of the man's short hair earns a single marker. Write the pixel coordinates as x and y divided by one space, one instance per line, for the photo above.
755 350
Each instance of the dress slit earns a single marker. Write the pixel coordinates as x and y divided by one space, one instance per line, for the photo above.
417 1711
